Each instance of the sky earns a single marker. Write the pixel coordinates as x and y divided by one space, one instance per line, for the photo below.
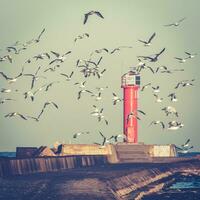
124 23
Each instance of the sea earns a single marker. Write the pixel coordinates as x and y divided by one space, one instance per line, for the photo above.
183 188
8 154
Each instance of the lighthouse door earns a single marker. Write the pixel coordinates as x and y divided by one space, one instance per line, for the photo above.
130 134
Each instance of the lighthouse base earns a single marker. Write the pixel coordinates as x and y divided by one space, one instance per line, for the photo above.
136 153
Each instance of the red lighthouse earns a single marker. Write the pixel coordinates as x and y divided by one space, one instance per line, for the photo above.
130 85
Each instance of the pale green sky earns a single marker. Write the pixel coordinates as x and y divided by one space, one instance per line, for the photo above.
125 22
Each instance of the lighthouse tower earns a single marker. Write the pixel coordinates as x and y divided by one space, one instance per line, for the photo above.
130 82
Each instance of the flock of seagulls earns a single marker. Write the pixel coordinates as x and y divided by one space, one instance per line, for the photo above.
184 148
89 67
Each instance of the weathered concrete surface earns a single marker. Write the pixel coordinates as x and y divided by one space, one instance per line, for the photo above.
120 149
99 183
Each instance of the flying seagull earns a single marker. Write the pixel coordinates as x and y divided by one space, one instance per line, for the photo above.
116 99
52 69
174 125
155 122
2 101
67 77
181 60
176 23
184 83
116 137
81 84
13 114
105 140
83 91
4 90
100 51
6 57
100 74
41 56
119 48
158 99
145 86
173 97
76 135
39 36
97 97
45 105
170 110
99 114
32 94
51 84
131 115
9 79
190 55
59 58
148 42
156 89
161 68
35 77
92 13
79 37
153 58
15 50
101 88
36 40
186 144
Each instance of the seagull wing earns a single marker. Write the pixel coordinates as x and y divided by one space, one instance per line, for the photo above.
181 20
101 134
187 53
67 53
85 18
99 14
169 24
163 126
41 34
160 52
151 69
151 38
71 74
22 116
55 53
96 143
40 113
153 122
178 58
141 112
177 86
187 142
12 48
47 55
9 58
99 60
106 121
8 115
116 49
7 78
79 94
142 41
64 75
53 61
55 104
38 70
178 148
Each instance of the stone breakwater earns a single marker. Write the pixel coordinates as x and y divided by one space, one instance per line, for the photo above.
122 187
109 182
